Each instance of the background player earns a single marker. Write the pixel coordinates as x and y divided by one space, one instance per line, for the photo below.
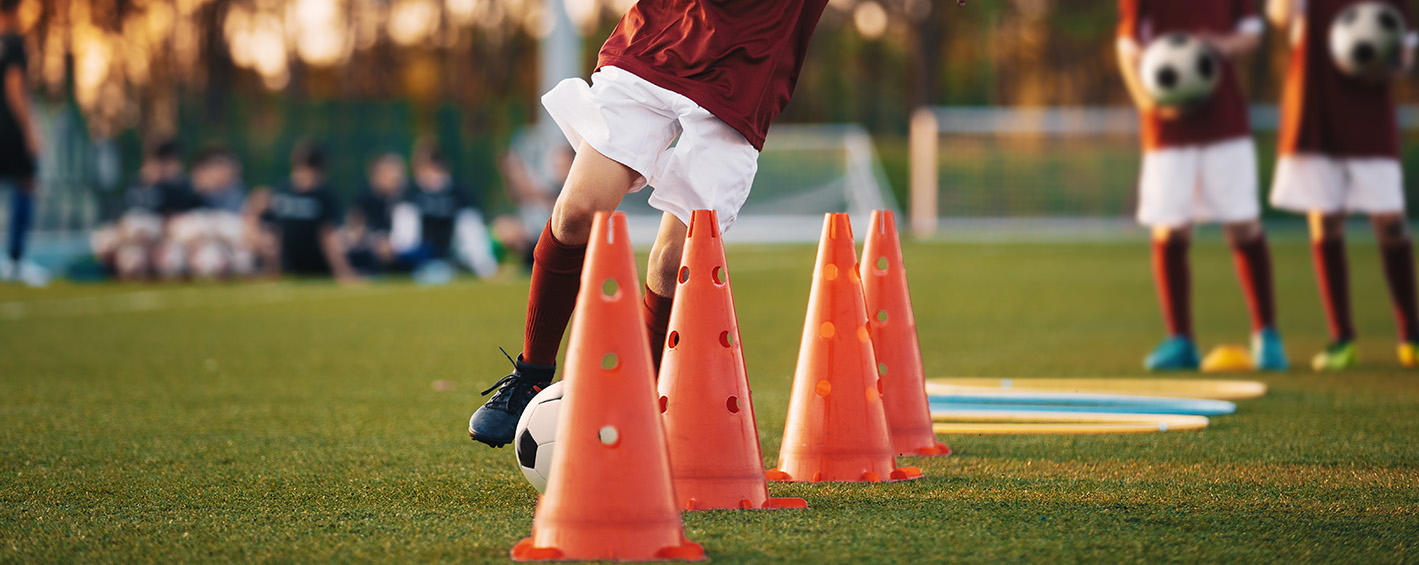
1339 145
19 141
715 74
1199 164
306 213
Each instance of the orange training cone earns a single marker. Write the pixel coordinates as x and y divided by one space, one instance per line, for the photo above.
837 429
894 342
704 393
610 496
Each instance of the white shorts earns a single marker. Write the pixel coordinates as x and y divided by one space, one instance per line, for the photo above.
633 122
1200 183
1317 183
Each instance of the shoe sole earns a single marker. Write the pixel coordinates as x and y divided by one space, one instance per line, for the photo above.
486 440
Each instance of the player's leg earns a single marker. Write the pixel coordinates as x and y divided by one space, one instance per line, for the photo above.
22 197
1230 195
660 282
596 184
1333 276
1252 257
1166 203
1397 256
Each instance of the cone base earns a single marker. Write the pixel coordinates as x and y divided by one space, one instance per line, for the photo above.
897 474
526 551
694 505
931 449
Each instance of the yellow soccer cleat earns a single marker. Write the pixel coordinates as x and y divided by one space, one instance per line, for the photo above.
1409 354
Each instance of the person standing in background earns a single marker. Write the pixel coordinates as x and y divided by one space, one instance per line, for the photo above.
1339 154
19 144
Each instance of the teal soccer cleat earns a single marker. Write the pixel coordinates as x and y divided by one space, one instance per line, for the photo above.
1177 353
1267 351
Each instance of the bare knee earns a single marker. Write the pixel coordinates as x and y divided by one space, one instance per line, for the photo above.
571 221
1326 227
1390 228
1240 233
1179 234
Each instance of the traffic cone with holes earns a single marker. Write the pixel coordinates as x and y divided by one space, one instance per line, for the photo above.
610 496
837 429
894 341
705 401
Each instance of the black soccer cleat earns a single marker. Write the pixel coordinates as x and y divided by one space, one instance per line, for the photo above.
495 422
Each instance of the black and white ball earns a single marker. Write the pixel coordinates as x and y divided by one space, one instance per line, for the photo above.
536 437
1180 70
1366 39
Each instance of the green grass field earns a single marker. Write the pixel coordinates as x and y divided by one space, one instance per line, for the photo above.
298 422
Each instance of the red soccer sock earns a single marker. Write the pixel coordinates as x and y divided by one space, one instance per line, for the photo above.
556 279
1398 260
1333 274
1174 280
1253 260
656 313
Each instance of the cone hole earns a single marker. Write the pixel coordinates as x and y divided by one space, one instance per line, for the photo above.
610 361
826 330
882 368
823 388
854 276
673 340
863 335
609 436
684 275
718 275
732 404
830 272
610 289
664 403
882 316
726 339
882 265
872 394
881 387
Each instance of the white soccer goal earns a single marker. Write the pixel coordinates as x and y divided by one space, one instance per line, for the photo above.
1041 171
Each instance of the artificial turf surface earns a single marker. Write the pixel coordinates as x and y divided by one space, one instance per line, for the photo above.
300 422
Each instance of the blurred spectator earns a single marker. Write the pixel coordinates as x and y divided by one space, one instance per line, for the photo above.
371 218
216 178
19 146
439 221
207 240
133 246
306 217
534 193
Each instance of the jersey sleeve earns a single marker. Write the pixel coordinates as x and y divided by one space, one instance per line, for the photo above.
1130 19
12 53
1247 17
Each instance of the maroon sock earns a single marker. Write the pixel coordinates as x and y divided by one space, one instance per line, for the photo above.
656 312
556 278
1333 274
1174 280
1398 260
1253 260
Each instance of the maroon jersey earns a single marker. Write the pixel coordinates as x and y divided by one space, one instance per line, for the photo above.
739 59
1326 111
1224 115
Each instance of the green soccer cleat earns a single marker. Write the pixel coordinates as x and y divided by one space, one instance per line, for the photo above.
1338 356
1267 352
1177 353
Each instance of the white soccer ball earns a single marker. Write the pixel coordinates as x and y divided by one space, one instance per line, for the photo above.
1180 70
536 437
1366 39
